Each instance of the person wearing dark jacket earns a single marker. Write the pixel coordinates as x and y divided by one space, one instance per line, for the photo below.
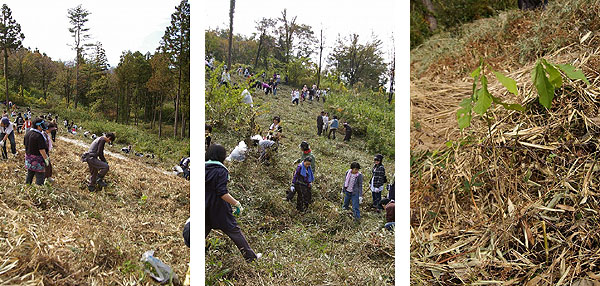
377 181
348 131
302 180
306 153
96 160
36 153
320 123
218 202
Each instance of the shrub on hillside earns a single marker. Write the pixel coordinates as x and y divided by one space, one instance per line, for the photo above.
370 116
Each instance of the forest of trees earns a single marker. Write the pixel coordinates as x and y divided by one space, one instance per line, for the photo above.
286 46
143 88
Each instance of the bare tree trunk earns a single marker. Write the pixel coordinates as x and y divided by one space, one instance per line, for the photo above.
259 47
5 78
177 102
231 10
430 14
77 79
160 115
320 55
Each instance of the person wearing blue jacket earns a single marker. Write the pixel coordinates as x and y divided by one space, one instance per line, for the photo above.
334 124
218 202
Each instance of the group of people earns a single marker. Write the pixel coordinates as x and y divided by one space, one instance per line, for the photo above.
309 94
330 127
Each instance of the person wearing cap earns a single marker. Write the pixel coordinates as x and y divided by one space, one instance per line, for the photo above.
47 136
377 181
218 202
36 153
353 185
96 160
302 183
306 153
7 132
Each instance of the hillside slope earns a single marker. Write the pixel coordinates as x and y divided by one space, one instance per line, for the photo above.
320 247
62 234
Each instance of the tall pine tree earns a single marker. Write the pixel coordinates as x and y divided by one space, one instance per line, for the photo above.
176 43
10 39
78 18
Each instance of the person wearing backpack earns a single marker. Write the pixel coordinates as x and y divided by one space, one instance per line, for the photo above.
218 202
377 181
333 126
352 189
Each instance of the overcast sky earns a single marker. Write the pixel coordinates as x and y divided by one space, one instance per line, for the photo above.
119 25
335 17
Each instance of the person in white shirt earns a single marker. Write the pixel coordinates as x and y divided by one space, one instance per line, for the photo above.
7 133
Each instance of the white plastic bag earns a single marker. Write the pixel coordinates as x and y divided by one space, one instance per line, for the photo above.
239 153
247 97
160 271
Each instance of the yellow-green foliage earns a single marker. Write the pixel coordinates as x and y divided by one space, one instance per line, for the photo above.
370 116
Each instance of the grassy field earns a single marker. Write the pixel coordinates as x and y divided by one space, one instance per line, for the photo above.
321 247
62 234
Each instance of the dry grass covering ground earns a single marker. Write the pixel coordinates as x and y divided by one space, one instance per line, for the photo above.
320 247
62 234
516 204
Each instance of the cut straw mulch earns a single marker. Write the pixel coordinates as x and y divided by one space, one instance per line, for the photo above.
62 234
514 203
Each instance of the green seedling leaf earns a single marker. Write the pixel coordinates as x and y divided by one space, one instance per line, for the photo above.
476 72
511 106
509 83
543 86
449 144
463 115
484 98
484 101
572 73
553 75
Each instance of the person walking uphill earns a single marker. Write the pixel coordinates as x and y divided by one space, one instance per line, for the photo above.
36 153
333 126
306 153
218 202
96 160
7 133
303 178
353 184
378 180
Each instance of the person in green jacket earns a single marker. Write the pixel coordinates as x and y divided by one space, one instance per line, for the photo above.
306 153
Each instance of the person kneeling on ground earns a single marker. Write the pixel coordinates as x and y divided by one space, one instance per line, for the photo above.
218 202
303 177
353 184
388 205
96 160
36 153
